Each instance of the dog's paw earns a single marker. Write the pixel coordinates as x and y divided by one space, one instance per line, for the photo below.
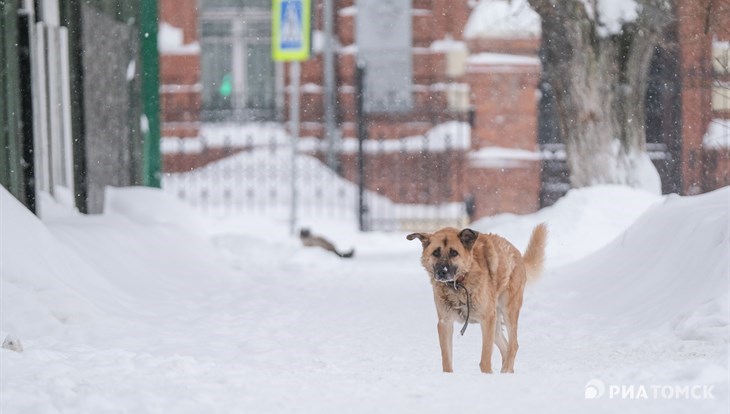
486 369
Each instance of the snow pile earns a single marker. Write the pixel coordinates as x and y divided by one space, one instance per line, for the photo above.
718 134
640 172
45 285
151 207
170 41
60 204
611 14
502 18
580 223
671 266
81 270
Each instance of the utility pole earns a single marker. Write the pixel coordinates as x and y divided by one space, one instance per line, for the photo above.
294 80
330 92
290 33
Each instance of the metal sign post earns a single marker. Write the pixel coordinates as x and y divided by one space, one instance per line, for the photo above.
290 42
294 74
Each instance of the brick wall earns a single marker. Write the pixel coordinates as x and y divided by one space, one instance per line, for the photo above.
699 22
180 89
514 189
506 105
502 96
717 161
503 99
182 14
716 172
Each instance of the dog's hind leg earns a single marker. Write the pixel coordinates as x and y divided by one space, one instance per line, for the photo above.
499 337
511 315
446 335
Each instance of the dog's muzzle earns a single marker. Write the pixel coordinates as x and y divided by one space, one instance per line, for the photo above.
444 272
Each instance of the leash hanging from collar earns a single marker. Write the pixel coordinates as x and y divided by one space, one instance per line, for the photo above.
458 285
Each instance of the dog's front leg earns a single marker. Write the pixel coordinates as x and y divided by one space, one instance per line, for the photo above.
488 325
446 335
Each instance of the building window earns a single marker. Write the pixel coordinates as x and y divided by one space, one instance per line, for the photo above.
721 96
721 57
238 74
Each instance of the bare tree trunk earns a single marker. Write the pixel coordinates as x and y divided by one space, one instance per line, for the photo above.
599 83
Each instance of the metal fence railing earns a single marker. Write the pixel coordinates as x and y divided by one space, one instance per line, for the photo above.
403 183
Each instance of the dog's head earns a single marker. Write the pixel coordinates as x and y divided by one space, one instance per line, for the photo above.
447 253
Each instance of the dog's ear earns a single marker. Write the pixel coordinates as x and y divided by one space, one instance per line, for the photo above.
468 237
423 237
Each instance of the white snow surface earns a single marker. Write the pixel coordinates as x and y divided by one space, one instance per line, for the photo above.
502 59
448 44
151 308
718 134
502 19
170 41
611 14
500 157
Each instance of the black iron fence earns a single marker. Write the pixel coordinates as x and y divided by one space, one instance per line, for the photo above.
383 183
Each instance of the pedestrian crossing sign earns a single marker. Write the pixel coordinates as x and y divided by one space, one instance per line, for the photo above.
290 25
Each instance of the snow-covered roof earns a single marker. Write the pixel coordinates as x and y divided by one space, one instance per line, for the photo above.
502 18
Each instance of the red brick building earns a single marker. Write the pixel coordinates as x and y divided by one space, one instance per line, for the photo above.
180 87
704 34
470 61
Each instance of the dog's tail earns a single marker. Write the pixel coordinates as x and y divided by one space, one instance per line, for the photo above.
346 255
535 254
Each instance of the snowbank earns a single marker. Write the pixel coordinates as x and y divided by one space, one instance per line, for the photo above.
127 312
580 223
45 286
84 270
671 266
151 207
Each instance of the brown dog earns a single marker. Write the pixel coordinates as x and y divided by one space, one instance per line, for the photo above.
480 278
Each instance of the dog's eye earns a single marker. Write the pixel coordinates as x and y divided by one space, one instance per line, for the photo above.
453 253
437 252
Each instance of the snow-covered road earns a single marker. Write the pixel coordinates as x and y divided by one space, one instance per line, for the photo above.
134 311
